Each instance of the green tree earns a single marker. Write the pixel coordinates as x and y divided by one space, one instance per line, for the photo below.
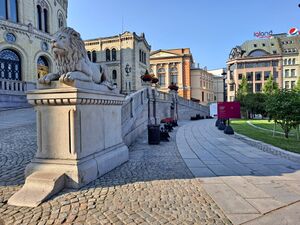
297 86
270 86
242 92
255 103
284 108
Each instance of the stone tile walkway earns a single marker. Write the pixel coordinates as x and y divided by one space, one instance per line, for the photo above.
154 187
249 185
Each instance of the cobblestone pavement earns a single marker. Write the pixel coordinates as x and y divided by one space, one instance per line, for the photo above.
154 187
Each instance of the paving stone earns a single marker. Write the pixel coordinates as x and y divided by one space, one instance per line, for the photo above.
154 186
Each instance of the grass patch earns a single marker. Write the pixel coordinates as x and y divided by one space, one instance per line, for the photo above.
269 125
241 127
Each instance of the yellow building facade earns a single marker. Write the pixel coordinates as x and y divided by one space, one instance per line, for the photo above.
173 66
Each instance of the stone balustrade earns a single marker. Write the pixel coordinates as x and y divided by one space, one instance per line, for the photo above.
136 116
12 92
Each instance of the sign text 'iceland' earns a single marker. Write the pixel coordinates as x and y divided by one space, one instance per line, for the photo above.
265 34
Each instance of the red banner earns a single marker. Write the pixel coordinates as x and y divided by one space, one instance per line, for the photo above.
229 110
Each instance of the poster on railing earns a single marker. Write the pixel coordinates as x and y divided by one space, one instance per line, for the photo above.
229 110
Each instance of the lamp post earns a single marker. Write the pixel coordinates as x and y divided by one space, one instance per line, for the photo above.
127 70
224 74
153 129
174 108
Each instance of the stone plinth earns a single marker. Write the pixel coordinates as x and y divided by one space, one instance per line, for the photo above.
79 132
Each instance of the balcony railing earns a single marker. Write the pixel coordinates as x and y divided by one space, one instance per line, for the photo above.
15 87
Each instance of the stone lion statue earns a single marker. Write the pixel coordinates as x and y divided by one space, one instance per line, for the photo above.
72 61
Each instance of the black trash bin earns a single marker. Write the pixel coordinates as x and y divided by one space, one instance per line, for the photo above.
153 134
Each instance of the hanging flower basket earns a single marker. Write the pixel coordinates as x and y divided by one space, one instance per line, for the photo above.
146 77
173 87
154 80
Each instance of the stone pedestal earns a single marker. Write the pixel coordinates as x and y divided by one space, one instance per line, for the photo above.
78 132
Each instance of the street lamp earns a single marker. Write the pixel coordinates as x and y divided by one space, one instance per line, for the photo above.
127 69
224 74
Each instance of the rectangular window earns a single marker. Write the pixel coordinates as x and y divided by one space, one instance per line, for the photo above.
13 14
250 87
202 96
293 72
257 75
275 74
274 52
231 87
286 73
249 76
293 83
267 74
274 63
3 7
287 85
240 76
257 87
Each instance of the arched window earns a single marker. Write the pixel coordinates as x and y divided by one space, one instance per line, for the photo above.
174 75
161 74
294 61
114 75
39 12
9 10
113 54
94 56
258 53
10 65
42 66
107 53
290 62
46 21
285 62
89 55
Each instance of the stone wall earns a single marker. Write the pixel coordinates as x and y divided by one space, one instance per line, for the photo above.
135 112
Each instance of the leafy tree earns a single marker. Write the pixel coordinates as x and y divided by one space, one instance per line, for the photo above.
270 86
297 86
243 88
255 103
284 108
241 94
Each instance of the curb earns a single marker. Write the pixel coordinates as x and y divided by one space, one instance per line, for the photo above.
269 148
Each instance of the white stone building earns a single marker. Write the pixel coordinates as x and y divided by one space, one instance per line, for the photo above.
126 56
25 29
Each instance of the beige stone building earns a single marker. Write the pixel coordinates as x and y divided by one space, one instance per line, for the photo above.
202 89
126 56
218 84
25 29
290 60
173 66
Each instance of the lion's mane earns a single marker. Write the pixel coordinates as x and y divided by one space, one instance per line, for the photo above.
75 51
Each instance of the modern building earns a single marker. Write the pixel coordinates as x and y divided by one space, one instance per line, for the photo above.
202 89
126 56
173 66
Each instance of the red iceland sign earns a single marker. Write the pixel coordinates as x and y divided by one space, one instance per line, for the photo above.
229 110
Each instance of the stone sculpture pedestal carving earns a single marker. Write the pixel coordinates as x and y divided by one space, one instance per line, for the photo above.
79 138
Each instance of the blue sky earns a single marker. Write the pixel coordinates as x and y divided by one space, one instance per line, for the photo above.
209 27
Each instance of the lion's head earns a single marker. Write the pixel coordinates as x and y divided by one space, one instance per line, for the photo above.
68 48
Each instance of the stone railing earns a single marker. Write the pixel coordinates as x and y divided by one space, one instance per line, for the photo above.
135 112
194 105
133 103
15 87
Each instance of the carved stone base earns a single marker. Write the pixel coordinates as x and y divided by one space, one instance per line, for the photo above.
38 187
79 134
